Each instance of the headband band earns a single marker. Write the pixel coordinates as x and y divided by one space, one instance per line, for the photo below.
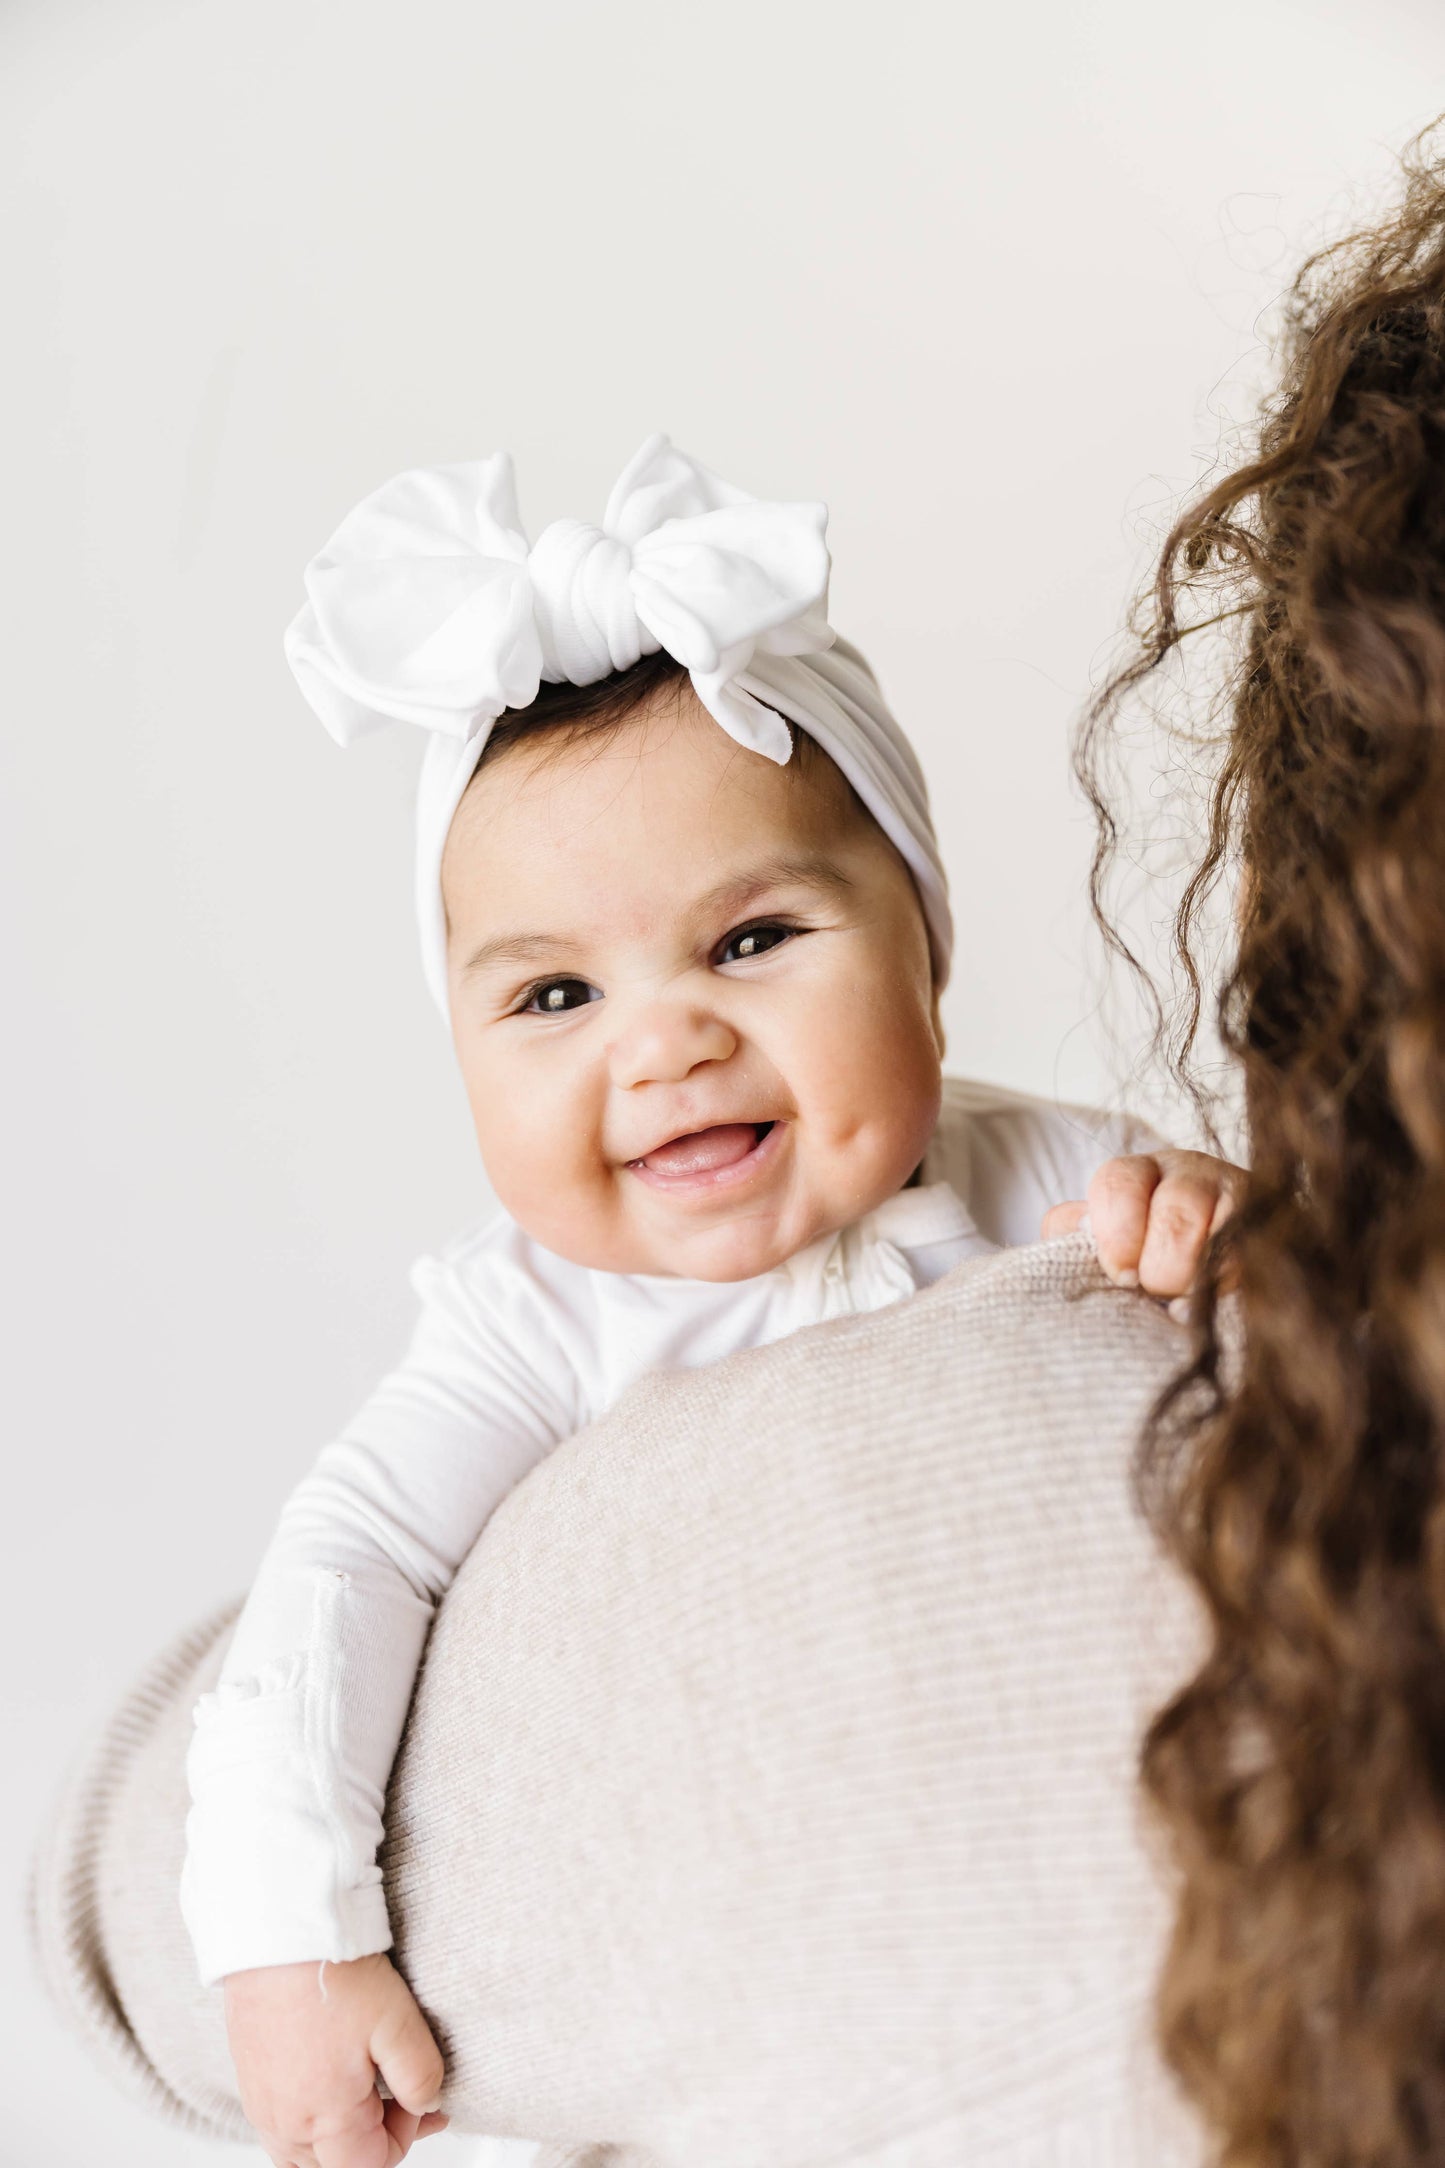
427 607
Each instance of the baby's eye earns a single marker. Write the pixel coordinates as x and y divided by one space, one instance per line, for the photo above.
752 941
554 997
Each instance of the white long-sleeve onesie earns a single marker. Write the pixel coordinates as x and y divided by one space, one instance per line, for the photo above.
513 1350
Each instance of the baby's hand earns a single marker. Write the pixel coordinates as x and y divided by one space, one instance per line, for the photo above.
308 2067
1151 1216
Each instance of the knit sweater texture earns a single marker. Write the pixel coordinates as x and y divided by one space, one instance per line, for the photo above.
769 1797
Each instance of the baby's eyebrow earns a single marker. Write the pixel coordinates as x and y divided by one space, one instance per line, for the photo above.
812 871
516 948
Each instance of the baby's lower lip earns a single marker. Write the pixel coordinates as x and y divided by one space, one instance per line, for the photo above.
708 1158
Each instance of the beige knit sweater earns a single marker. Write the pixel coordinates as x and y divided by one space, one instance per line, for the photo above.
768 1798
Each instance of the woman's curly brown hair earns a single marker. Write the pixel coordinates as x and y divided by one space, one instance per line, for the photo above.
1297 1471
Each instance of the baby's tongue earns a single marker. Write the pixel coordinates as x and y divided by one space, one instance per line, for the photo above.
704 1150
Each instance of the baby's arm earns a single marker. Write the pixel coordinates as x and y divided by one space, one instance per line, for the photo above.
1151 1215
290 1757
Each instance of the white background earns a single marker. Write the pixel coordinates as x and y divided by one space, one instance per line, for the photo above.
986 279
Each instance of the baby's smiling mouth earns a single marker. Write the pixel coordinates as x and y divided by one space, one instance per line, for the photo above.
704 1151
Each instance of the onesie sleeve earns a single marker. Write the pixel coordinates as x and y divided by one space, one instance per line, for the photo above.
1011 1155
291 1751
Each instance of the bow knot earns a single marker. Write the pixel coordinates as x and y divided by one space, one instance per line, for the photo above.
427 606
586 618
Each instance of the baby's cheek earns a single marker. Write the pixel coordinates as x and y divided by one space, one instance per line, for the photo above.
876 1085
519 1149
555 1182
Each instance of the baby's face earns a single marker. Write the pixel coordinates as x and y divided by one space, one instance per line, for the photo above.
690 995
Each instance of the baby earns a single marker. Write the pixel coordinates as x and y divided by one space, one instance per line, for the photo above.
682 908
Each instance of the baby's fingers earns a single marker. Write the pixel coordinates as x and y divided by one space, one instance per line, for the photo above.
366 2142
395 2132
403 2126
1181 1217
1062 1219
1119 1204
409 2060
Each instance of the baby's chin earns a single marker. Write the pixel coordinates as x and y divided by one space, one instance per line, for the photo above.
726 1254
741 1246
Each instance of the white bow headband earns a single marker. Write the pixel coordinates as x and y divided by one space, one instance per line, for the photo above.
426 606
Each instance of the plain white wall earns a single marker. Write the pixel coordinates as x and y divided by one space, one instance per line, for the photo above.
983 278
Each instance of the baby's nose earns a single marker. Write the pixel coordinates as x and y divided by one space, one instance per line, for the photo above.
666 1043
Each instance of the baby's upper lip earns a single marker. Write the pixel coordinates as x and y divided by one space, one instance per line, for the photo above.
695 1128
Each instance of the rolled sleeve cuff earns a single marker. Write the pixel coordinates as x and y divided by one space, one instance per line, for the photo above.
276 1870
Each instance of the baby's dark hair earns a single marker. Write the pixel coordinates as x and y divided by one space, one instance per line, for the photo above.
598 711
580 710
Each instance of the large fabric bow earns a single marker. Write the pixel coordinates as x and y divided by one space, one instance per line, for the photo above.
427 606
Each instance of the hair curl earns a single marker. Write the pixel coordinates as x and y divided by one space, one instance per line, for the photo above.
1297 1470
